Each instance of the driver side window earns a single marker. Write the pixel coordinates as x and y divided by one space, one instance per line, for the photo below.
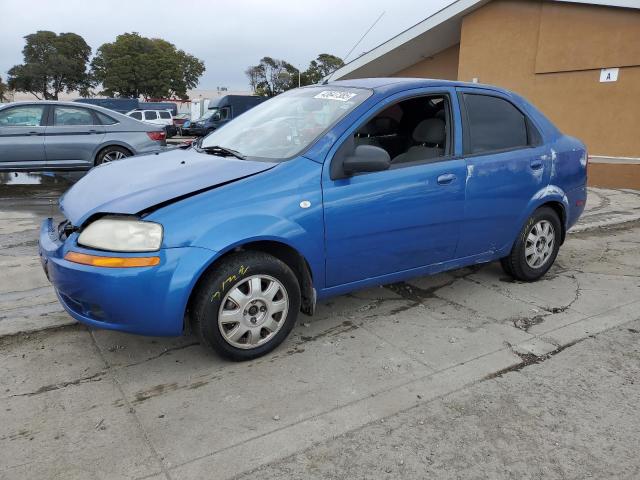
414 131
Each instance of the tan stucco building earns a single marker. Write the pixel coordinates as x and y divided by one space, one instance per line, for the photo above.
551 51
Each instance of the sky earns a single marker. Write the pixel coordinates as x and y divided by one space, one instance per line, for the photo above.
227 35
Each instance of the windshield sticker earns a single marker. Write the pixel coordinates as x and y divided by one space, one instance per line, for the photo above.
334 95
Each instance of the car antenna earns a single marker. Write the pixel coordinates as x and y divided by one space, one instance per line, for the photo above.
326 80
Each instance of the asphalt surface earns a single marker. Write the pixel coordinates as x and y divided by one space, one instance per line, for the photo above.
466 374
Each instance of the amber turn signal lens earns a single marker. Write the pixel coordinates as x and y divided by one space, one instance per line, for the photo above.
111 262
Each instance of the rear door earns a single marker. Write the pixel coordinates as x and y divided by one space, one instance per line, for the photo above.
73 137
22 130
507 164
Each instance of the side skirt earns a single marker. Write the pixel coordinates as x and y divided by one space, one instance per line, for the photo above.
433 269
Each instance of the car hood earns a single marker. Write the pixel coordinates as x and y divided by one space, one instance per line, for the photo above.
135 184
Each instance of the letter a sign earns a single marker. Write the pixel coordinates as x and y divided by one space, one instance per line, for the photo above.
609 74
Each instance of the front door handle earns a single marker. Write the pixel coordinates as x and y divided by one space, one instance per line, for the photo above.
446 179
93 131
536 163
33 133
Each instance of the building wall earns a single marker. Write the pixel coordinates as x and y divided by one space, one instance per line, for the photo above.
507 41
441 65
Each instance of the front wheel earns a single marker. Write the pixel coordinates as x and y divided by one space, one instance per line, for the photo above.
246 306
536 248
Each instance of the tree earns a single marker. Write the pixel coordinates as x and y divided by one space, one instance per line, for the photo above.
3 91
134 65
324 65
52 63
255 75
272 76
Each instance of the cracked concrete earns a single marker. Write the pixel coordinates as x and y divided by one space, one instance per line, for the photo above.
97 404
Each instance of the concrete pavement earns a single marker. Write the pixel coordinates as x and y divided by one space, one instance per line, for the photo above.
572 415
94 404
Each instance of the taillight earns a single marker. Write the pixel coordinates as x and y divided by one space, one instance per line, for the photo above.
157 136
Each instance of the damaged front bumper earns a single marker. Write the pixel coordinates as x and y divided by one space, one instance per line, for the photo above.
141 300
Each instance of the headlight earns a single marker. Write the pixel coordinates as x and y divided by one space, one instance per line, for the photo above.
122 234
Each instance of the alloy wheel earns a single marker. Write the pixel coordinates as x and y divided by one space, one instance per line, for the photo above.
539 244
253 311
114 155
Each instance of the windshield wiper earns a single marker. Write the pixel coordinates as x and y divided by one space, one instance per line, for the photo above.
224 151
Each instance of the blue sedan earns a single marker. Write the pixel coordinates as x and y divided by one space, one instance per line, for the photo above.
317 192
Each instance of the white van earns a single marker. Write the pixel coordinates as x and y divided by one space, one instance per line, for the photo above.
155 117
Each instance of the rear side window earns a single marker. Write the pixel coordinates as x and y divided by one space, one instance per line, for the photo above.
72 116
136 115
165 115
106 119
493 124
149 115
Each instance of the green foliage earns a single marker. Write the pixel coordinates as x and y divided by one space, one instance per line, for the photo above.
272 76
52 63
134 65
322 66
3 91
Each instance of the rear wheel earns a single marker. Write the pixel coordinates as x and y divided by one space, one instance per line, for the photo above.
536 248
246 306
111 154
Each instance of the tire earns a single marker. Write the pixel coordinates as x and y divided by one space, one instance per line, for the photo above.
254 324
112 153
532 254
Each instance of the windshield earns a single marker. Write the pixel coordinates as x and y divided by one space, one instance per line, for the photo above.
208 114
285 125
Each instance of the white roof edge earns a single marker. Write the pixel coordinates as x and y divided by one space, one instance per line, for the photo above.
439 17
453 10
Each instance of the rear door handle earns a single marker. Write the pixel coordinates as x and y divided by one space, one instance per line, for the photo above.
446 179
536 163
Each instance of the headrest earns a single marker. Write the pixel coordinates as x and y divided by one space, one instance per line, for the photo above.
379 126
431 130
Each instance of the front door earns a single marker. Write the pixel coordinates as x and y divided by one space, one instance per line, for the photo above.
22 130
402 218
73 137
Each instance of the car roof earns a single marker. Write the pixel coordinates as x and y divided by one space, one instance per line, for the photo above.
106 111
385 84
119 117
149 110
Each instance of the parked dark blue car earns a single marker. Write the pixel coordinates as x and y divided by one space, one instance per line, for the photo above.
317 192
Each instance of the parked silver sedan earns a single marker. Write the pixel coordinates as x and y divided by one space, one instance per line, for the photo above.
51 135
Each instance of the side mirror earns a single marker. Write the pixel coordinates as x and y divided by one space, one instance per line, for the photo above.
366 158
